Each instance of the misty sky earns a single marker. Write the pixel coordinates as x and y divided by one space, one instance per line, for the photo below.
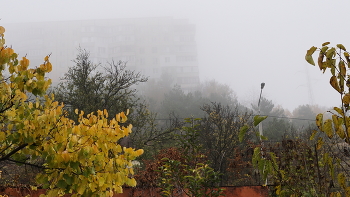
240 43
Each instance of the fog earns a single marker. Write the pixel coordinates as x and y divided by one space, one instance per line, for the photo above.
239 43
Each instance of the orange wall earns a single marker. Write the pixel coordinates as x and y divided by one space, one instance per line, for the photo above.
246 191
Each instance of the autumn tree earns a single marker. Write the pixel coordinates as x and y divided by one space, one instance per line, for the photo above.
327 160
81 158
335 130
91 87
183 169
219 134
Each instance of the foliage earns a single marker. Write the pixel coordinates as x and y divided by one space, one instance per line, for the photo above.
189 174
304 118
187 104
336 60
181 170
295 167
275 126
240 166
81 158
155 135
301 170
219 134
90 87
181 104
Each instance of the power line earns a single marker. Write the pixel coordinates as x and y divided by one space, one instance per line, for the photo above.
269 116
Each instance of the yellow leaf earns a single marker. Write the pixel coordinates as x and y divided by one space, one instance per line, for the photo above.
325 43
118 189
320 143
2 30
101 181
319 121
65 156
346 98
313 134
139 152
48 67
81 189
327 128
341 180
342 69
340 46
278 189
127 112
311 51
334 83
320 60
123 116
337 109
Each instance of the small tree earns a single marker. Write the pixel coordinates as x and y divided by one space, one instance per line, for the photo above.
335 130
322 169
90 87
77 157
219 131
190 172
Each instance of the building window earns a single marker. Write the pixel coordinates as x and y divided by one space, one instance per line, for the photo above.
155 60
155 70
185 58
142 50
154 49
167 49
101 50
142 60
167 59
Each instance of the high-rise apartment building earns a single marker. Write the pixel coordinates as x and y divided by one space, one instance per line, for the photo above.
153 46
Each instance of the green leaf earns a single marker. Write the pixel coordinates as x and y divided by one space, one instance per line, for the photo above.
309 59
330 53
42 178
61 184
69 179
308 56
74 165
324 49
242 132
258 119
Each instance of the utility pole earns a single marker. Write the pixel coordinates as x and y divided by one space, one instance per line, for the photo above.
260 124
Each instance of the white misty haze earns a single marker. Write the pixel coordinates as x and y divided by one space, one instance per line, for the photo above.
240 43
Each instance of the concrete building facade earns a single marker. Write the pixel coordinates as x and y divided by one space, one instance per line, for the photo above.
153 46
